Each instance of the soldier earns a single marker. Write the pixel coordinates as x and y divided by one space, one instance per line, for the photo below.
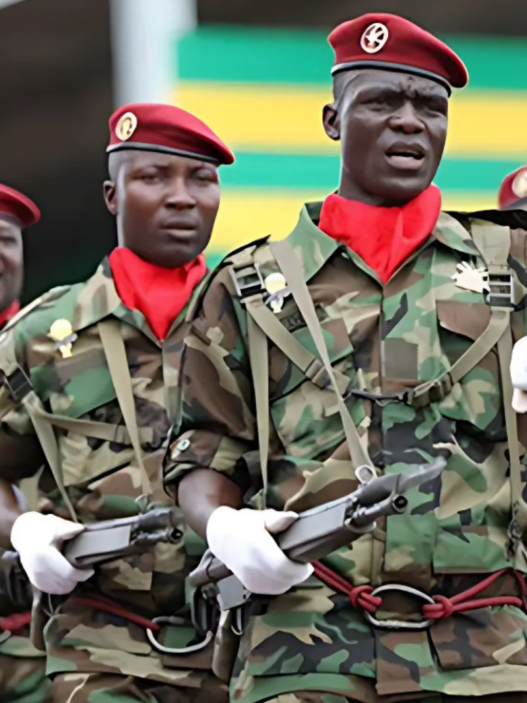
513 191
91 387
378 333
22 666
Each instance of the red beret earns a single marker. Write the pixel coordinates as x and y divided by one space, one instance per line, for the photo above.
514 187
383 41
18 205
168 129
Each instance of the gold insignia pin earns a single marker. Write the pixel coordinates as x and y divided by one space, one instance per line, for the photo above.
471 278
61 332
276 285
126 126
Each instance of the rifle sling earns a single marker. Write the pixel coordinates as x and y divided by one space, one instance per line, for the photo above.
290 266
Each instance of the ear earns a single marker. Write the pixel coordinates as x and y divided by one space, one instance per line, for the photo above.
331 122
109 193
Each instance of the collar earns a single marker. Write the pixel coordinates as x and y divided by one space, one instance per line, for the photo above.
314 248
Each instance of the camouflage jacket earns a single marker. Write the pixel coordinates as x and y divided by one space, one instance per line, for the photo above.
380 339
100 473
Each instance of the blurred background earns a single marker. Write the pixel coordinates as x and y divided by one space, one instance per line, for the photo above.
258 72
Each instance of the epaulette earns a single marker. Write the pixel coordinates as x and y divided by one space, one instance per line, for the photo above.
515 219
243 254
47 298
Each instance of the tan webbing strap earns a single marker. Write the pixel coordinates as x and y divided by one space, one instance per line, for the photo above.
259 358
48 442
290 266
115 351
307 362
98 430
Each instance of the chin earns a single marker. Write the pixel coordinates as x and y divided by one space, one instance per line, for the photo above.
400 193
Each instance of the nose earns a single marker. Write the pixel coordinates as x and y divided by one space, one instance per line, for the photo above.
178 195
406 119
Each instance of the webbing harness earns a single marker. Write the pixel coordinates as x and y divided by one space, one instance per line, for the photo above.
493 242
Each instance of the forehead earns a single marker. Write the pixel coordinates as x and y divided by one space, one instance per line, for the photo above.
154 159
394 80
9 222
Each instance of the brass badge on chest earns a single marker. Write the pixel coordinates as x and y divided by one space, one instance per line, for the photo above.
276 285
63 336
471 278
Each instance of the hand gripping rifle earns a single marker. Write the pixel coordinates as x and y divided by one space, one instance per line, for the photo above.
323 529
112 539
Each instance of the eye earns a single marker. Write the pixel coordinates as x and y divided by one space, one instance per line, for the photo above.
150 177
206 174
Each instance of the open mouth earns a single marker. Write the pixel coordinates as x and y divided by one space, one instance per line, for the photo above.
406 156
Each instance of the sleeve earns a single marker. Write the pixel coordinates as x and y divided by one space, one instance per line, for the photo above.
218 424
17 437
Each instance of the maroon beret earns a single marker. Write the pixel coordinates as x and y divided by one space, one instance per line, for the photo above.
514 187
15 204
379 40
168 129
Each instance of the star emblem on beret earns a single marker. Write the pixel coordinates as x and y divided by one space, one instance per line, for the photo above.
374 38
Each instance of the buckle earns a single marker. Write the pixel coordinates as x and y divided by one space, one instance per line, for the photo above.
400 624
501 289
433 392
18 385
247 281
317 374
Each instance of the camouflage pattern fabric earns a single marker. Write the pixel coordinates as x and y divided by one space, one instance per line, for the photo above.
381 339
22 666
103 480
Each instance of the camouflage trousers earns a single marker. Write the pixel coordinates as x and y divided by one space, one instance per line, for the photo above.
23 678
317 697
110 688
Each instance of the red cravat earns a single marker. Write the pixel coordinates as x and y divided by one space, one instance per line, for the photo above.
9 312
160 294
384 237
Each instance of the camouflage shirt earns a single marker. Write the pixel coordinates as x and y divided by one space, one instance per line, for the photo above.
101 475
382 339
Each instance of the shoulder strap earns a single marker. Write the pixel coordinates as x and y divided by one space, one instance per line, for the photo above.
259 358
115 351
290 266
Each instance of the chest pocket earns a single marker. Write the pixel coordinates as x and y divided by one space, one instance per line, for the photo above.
302 403
476 399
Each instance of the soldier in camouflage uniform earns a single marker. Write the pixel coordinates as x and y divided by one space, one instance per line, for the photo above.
512 194
22 666
380 333
91 375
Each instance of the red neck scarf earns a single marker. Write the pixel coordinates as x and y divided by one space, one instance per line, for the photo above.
383 237
160 294
8 313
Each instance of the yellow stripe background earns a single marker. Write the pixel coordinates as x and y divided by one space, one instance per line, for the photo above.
287 119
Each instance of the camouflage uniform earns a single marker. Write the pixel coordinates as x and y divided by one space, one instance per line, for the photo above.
22 666
382 342
100 655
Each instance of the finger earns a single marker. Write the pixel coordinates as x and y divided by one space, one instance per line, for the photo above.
519 401
276 522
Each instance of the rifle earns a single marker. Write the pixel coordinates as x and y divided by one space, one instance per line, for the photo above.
15 589
112 539
319 531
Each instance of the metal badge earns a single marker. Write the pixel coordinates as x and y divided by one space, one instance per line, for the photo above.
126 126
374 38
276 285
471 278
62 334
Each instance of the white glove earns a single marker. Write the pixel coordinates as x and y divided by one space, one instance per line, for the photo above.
38 539
519 375
242 540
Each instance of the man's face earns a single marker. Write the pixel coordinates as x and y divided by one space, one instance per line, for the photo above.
11 261
393 129
165 205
